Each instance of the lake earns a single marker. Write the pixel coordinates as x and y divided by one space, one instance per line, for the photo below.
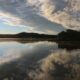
38 60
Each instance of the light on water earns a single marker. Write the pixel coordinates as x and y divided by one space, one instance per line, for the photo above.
40 60
13 49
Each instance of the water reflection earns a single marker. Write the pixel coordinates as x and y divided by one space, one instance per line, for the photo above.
14 54
60 65
14 49
69 45
39 60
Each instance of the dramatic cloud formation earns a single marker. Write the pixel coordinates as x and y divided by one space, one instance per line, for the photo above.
42 15
65 12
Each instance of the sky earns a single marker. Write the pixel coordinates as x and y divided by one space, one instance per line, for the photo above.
7 29
41 16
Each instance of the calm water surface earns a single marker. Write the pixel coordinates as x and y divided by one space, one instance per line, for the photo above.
24 56
15 50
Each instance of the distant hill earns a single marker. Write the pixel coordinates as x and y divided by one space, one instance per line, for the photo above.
69 35
27 35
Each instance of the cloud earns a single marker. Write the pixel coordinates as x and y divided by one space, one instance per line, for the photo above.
21 13
43 15
8 19
65 12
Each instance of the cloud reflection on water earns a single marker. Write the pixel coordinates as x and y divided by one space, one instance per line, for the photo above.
60 65
38 61
11 51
